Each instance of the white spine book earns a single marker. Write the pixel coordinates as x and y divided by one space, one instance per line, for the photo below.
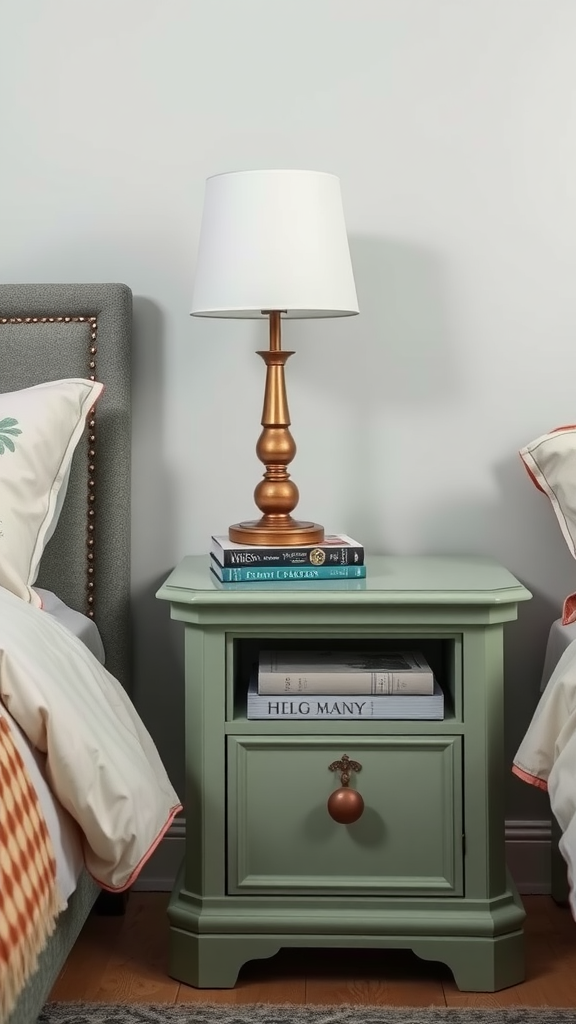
338 707
344 672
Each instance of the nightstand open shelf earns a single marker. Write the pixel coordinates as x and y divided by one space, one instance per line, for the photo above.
266 866
443 653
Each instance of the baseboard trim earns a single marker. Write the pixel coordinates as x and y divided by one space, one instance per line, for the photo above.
528 851
528 845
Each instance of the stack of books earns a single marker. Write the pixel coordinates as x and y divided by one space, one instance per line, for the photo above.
333 686
339 557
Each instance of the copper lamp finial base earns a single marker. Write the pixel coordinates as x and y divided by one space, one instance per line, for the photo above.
290 533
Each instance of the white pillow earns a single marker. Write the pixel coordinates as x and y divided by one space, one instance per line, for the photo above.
551 462
40 428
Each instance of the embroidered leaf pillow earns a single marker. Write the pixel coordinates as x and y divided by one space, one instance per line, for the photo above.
40 428
8 431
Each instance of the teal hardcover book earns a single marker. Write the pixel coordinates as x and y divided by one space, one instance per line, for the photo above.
287 574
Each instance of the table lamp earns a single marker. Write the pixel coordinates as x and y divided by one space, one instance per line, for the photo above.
273 244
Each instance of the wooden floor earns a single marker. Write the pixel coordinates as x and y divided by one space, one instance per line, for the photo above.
124 959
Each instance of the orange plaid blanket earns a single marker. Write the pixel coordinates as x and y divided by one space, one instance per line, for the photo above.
29 897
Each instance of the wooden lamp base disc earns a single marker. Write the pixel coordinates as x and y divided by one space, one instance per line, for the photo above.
287 534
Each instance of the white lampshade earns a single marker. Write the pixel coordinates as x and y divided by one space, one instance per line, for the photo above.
273 240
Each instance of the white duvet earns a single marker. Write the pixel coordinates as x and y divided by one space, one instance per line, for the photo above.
547 755
101 762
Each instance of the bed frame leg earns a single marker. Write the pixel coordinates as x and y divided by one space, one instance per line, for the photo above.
111 904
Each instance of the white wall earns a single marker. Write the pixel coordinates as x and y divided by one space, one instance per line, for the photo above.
452 125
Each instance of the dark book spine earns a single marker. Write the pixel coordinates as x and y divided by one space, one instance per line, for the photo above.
272 557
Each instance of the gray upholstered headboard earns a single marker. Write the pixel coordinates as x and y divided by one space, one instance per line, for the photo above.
52 331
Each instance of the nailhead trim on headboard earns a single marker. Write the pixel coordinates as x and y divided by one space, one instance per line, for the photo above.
91 428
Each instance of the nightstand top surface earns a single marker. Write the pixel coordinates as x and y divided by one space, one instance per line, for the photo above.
390 579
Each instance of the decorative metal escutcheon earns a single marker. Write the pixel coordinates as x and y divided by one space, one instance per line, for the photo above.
345 805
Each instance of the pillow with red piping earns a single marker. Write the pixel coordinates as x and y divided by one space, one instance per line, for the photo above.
551 464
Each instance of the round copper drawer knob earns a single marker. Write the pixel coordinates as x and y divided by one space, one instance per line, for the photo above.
345 805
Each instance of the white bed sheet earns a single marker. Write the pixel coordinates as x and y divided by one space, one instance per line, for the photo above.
64 831
82 627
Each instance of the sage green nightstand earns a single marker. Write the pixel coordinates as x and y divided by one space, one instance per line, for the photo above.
424 866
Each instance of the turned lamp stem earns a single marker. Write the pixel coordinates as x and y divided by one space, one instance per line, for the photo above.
276 495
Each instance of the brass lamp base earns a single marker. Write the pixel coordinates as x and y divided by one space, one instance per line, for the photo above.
276 495
289 532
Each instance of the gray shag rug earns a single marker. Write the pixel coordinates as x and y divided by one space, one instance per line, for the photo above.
209 1013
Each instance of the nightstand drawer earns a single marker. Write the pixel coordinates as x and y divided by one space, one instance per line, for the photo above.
281 837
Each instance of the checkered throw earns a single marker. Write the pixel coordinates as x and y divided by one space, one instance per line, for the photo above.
29 897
